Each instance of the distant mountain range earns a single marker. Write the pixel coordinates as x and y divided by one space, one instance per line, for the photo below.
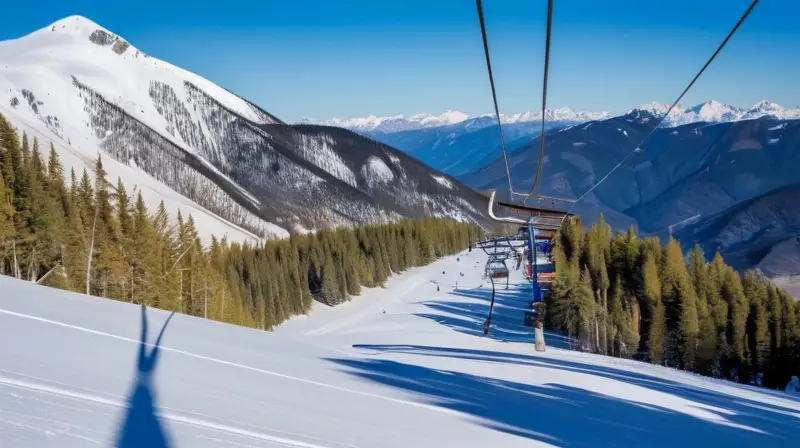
716 112
399 123
458 144
711 111
727 186
718 175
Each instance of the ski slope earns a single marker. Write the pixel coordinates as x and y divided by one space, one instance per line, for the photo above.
397 367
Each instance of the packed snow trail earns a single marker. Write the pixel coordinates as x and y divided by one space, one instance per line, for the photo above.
403 366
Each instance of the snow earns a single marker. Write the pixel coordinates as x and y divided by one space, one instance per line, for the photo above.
443 181
711 111
38 72
624 132
319 151
376 172
399 123
402 366
394 123
716 112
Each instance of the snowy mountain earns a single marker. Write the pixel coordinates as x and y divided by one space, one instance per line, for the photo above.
398 123
400 366
393 124
202 149
453 142
716 112
464 145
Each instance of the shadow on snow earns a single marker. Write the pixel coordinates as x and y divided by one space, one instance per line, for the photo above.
576 417
142 426
508 315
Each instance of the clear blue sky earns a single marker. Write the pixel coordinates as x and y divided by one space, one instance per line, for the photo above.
348 58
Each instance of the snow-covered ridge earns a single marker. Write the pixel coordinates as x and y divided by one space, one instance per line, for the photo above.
716 112
395 123
398 123
710 111
58 84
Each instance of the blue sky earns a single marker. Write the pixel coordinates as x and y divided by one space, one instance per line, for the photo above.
350 58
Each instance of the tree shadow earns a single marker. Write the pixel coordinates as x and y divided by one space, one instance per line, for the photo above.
508 315
142 427
575 417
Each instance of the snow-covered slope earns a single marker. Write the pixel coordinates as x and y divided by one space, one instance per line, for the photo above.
397 367
136 180
52 79
90 92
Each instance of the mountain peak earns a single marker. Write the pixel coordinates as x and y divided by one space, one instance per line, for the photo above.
658 109
75 21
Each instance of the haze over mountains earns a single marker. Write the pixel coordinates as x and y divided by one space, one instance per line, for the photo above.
177 137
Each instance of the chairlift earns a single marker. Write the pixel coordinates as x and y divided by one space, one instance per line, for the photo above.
496 269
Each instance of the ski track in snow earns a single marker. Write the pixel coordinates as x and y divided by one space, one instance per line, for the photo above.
404 365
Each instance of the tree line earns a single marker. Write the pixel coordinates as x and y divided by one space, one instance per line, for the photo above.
90 236
628 297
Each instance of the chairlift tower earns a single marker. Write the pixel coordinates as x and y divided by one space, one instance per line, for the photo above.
538 220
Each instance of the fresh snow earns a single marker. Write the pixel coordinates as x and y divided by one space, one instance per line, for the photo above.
38 95
402 366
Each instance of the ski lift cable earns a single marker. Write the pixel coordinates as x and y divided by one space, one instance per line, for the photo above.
708 62
537 179
494 94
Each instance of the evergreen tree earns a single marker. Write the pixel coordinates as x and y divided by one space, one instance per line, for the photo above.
680 308
655 317
756 289
6 213
707 336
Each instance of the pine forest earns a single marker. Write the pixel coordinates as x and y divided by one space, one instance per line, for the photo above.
87 235
623 296
617 295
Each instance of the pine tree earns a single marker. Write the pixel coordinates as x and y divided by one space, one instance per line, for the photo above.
707 336
733 294
655 318
680 309
6 213
146 280
756 290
